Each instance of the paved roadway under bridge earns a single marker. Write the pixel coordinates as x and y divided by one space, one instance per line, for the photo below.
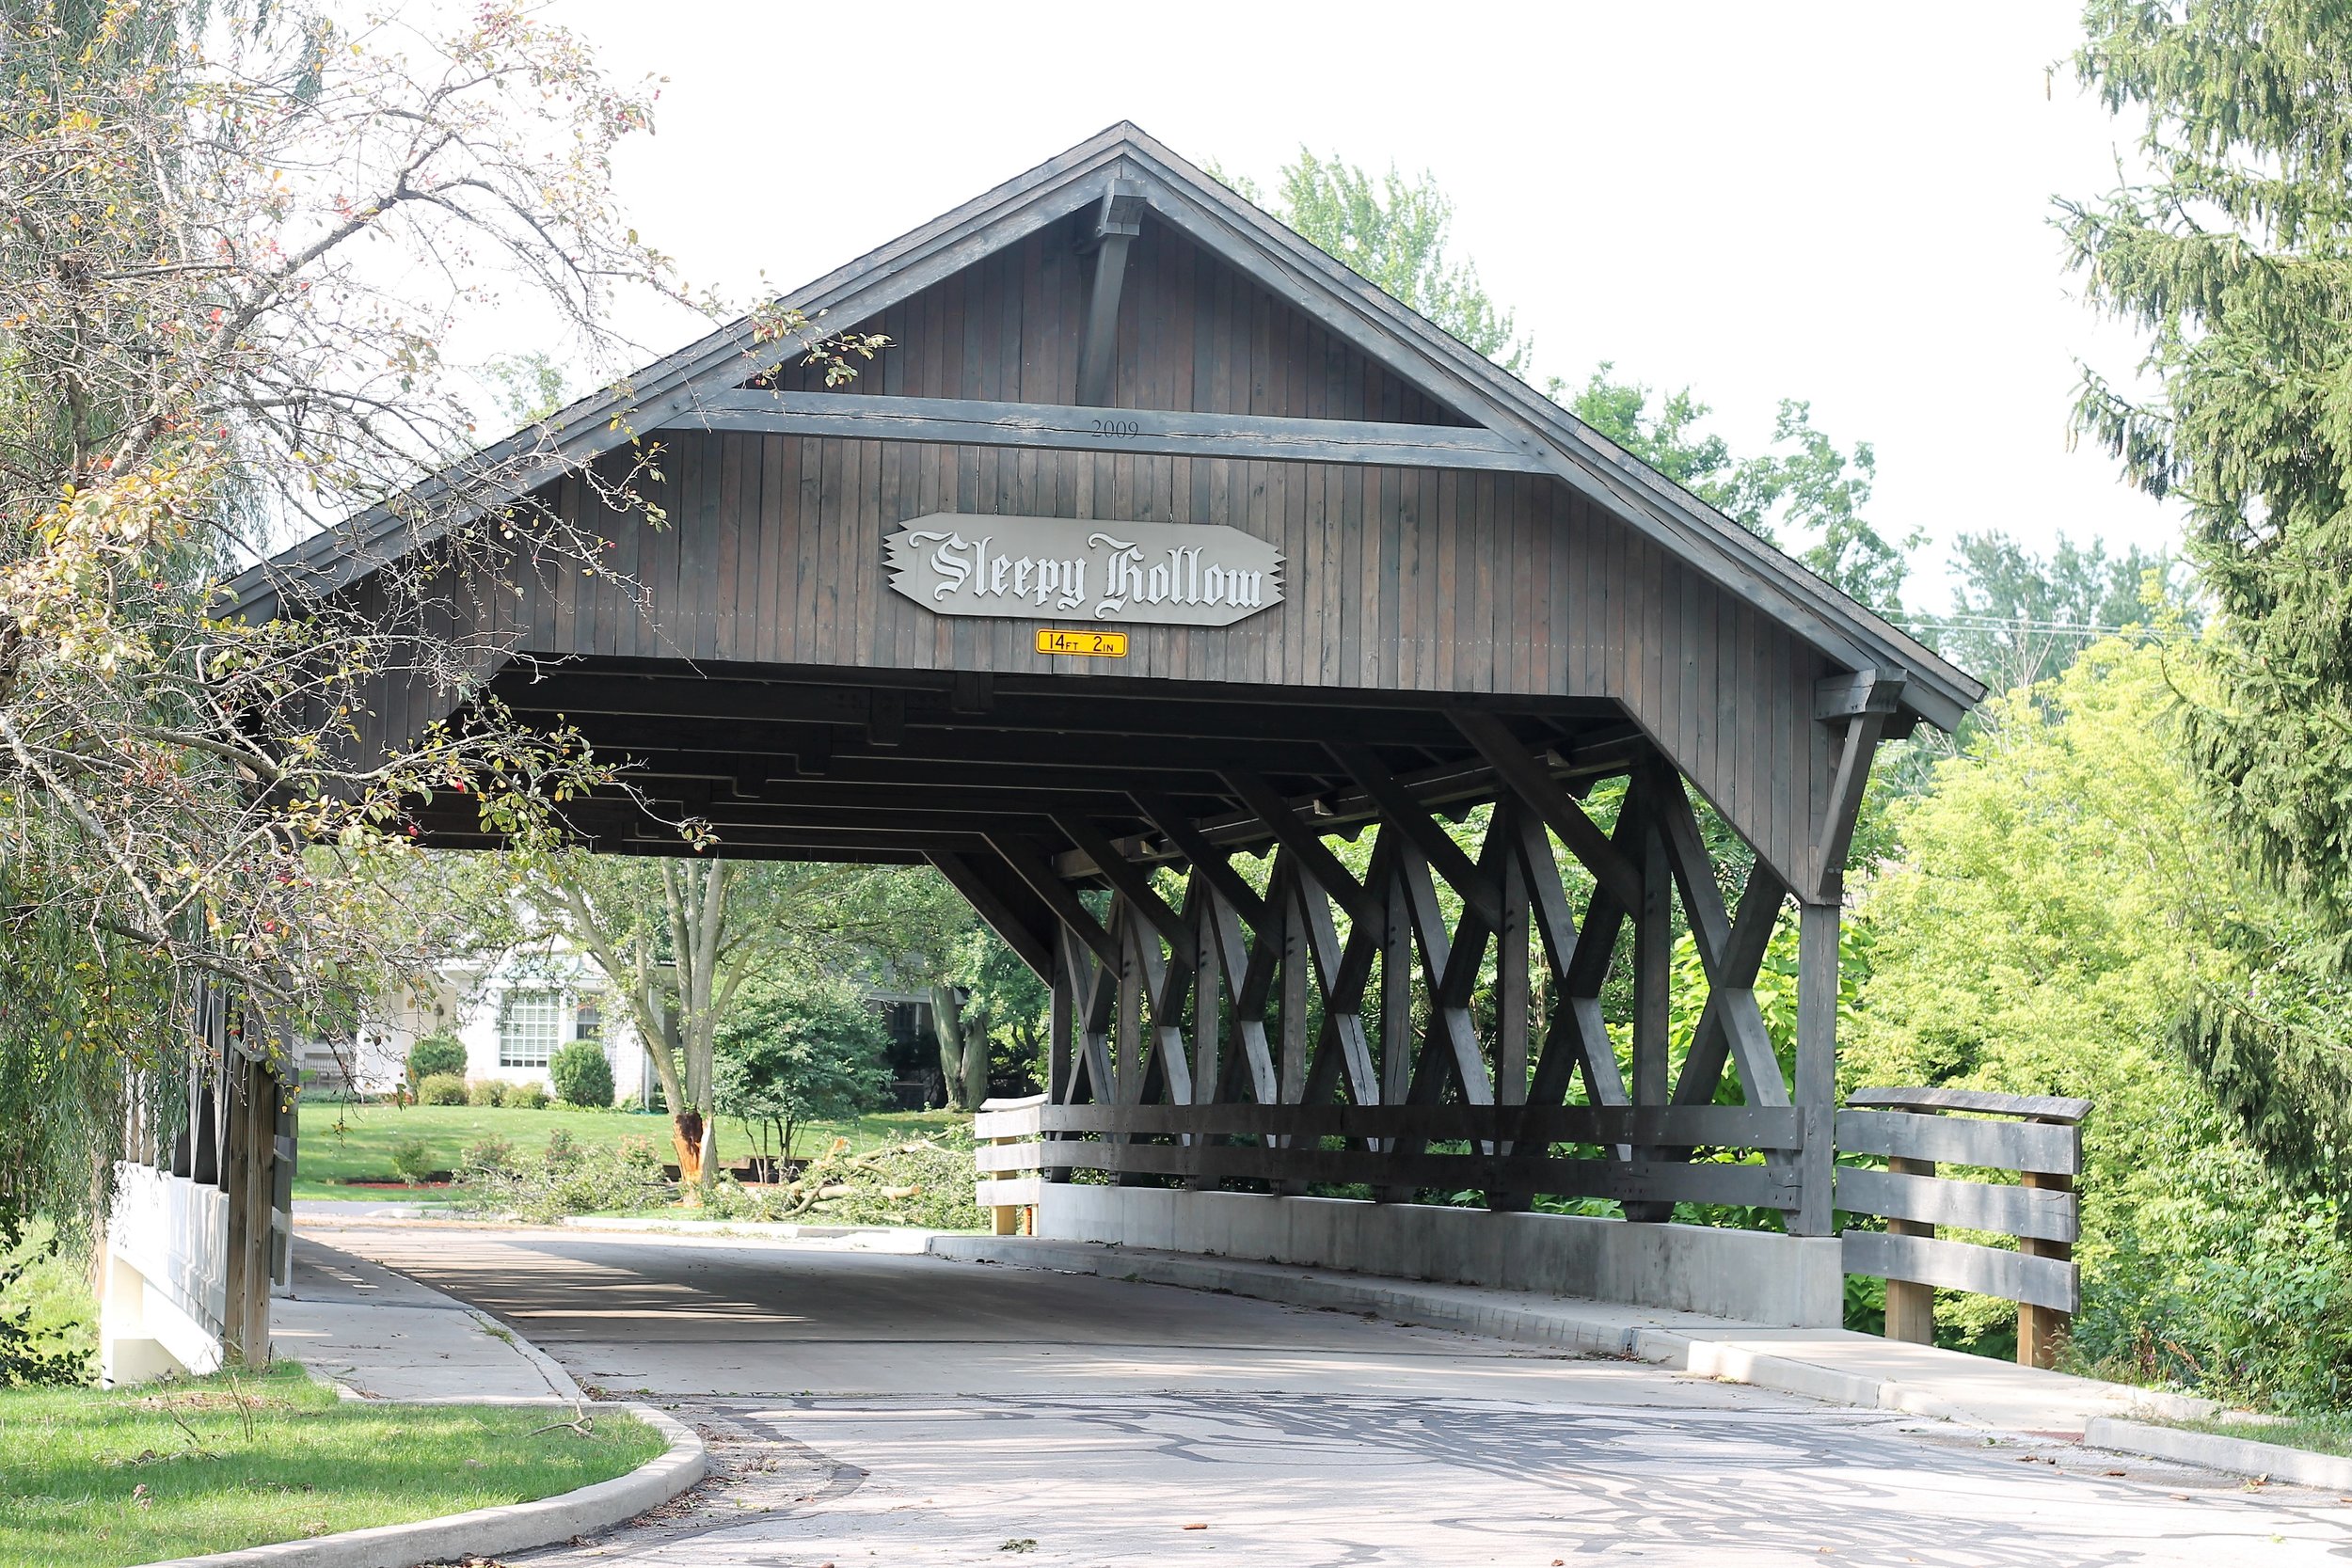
881 1408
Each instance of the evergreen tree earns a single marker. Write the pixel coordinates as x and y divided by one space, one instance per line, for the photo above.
2234 254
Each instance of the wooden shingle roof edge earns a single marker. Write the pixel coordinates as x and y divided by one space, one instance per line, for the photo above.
1211 215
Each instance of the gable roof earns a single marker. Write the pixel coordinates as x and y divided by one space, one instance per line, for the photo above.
674 389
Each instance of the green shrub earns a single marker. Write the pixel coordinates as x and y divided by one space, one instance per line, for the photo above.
562 1151
487 1157
435 1055
613 1180
924 1181
412 1160
527 1097
443 1088
485 1092
582 1076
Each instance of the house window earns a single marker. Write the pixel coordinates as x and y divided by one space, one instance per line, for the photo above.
588 1023
528 1028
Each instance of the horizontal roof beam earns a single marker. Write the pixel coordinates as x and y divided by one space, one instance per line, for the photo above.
1113 432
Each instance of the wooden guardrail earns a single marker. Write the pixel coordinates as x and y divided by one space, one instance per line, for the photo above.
1912 1129
1509 1148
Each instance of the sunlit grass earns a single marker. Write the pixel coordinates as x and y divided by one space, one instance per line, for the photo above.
98 1479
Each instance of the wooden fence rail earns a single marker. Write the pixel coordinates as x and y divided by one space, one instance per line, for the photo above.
1912 1130
1509 1148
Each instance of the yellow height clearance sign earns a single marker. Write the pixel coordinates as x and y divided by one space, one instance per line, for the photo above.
1082 644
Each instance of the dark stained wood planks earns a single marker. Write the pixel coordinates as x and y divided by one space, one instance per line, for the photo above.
1396 578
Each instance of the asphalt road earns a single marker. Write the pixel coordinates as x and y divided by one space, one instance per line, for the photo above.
905 1411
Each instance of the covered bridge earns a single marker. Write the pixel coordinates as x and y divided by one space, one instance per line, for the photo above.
1157 538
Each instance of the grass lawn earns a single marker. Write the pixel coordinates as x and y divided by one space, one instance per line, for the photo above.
342 1143
98 1479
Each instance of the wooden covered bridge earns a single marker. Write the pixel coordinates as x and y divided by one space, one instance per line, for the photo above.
1157 542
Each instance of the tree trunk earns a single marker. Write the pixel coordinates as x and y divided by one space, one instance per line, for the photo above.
690 1135
975 1060
947 1029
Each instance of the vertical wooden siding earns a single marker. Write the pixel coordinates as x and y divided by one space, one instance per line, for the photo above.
1394 579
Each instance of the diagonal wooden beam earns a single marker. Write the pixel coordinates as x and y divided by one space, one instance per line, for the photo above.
1247 974
1532 782
1212 862
988 901
1344 1049
1129 880
1056 893
1845 804
1450 991
1164 986
1090 1006
1731 1023
1315 857
1693 869
1411 817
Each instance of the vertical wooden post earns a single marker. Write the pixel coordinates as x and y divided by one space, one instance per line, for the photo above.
1511 978
1061 1024
1208 998
2041 1330
248 1163
1396 994
1208 1022
235 1156
1653 987
1127 1038
1060 1013
1653 971
1004 1218
1511 1000
1910 1306
1817 1066
1293 979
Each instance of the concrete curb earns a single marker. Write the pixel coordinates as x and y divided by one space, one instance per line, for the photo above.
559 1381
869 1238
2240 1456
909 1239
486 1531
1682 1342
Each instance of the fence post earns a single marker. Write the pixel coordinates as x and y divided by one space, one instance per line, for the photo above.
1817 1066
1910 1306
2041 1330
1009 1199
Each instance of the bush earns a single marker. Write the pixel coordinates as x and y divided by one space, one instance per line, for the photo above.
486 1091
412 1160
487 1157
621 1179
926 1181
527 1097
436 1054
563 1151
443 1088
582 1076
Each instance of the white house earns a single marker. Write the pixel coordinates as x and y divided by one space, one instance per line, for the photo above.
513 1016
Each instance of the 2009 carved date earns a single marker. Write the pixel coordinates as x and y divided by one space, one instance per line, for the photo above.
1117 430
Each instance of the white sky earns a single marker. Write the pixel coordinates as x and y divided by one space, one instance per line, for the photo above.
1846 203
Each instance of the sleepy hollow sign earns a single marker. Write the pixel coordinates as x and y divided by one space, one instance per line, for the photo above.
1034 568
